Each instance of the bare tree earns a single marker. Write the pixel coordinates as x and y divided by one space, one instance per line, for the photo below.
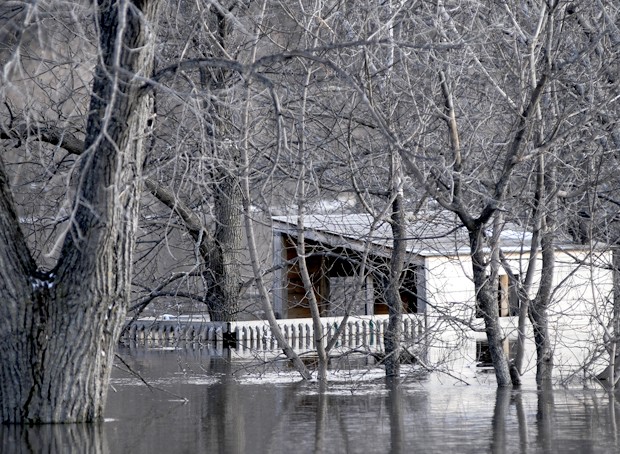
59 326
499 100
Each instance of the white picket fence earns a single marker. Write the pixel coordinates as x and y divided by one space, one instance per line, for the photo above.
358 332
151 331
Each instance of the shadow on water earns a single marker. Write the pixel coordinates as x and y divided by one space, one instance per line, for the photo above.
196 403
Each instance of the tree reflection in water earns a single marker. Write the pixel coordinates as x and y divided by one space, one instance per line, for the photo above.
321 420
53 438
397 424
545 417
500 413
229 411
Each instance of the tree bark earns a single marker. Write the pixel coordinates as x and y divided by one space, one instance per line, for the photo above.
539 316
58 328
393 333
486 297
223 260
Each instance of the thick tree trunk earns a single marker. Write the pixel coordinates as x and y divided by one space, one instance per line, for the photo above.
224 254
58 329
486 288
486 297
546 197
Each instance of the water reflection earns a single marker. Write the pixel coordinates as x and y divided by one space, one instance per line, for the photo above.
53 438
197 403
545 418
397 422
522 422
499 423
321 420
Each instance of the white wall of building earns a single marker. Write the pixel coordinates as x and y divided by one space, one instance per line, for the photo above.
580 307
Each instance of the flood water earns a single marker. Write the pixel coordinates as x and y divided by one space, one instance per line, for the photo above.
202 401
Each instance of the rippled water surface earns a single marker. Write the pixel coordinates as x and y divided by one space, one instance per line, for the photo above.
200 401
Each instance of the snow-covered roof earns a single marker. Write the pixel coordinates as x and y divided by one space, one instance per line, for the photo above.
428 234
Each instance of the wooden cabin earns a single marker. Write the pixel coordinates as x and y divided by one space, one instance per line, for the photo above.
334 262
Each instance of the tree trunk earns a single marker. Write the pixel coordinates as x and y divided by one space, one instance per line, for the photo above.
222 262
253 250
538 312
59 328
223 259
486 288
318 334
538 308
486 299
548 201
393 333
524 289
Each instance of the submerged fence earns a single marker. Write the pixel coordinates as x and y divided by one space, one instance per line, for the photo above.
358 332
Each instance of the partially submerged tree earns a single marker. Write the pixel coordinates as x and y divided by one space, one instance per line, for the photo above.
59 326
